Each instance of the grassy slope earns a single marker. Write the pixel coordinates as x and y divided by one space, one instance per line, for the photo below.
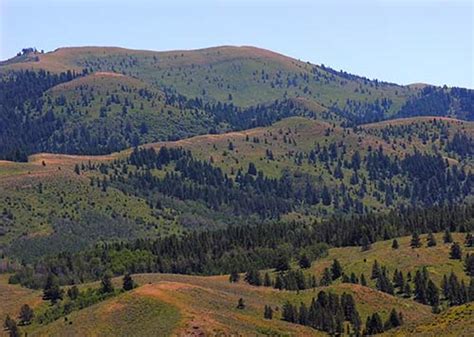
35 212
455 322
131 314
222 71
12 297
406 259
162 120
185 304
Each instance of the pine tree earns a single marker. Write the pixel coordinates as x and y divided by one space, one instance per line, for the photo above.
432 294
128 283
282 263
393 320
267 281
234 276
106 284
9 322
253 277
26 314
241 304
431 240
374 324
303 314
447 237
363 281
395 244
327 277
73 293
289 313
51 291
279 283
304 262
268 312
469 240
375 270
415 240
336 269
407 290
420 287
455 252
470 291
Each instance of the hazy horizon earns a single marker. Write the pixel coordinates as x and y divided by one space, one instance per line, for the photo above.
405 42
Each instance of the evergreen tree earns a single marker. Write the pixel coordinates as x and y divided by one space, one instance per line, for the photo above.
283 262
268 312
26 314
252 170
420 287
51 291
469 264
253 277
9 323
415 240
241 304
106 285
447 237
432 294
327 277
267 281
455 252
234 276
374 324
393 320
375 270
336 269
279 283
128 283
407 290
363 281
289 313
395 244
304 262
431 240
73 293
469 240
303 314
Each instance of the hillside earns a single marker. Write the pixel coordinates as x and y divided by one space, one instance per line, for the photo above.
98 100
194 305
306 152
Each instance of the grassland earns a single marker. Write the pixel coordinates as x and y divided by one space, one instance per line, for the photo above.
250 75
181 305
42 193
405 259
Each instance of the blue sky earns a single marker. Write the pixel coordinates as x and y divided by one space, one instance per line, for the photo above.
403 41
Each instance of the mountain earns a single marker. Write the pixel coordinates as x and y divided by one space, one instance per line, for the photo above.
230 190
79 105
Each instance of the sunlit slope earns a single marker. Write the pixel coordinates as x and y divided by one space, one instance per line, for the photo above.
242 75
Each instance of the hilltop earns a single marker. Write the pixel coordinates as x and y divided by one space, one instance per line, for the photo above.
193 305
156 96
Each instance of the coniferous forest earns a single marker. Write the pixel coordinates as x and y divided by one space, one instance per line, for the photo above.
151 187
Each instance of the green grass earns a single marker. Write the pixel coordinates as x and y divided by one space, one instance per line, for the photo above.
125 315
250 75
406 259
65 212
69 196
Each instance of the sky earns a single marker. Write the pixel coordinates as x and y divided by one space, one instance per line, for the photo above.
401 41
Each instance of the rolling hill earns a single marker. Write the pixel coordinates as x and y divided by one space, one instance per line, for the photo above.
194 305
97 100
191 168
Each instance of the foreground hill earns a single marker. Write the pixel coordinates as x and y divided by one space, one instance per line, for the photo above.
194 305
